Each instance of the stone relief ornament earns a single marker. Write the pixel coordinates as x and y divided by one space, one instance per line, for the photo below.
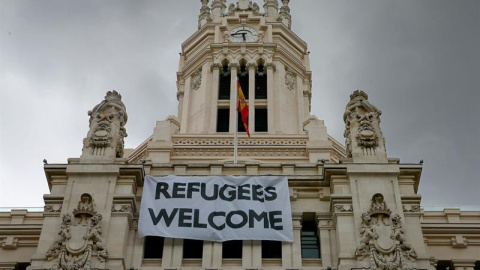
411 208
290 78
362 121
107 128
79 237
197 79
383 238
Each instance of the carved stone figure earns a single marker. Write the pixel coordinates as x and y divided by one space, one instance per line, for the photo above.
231 9
256 9
362 125
383 238
78 240
107 131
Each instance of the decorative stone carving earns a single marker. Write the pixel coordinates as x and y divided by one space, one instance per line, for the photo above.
290 78
284 14
362 125
117 208
383 238
216 65
411 208
256 9
79 237
197 79
205 15
233 66
180 94
55 208
271 8
251 65
343 208
270 65
107 131
231 9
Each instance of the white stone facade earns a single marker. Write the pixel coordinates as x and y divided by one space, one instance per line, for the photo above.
364 205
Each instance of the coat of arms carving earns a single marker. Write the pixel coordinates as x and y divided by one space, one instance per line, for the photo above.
79 237
383 238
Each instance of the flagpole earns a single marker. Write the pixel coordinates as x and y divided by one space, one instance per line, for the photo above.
235 131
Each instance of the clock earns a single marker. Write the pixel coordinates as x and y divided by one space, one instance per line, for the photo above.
243 34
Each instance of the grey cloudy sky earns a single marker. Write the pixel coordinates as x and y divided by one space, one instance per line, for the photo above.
419 61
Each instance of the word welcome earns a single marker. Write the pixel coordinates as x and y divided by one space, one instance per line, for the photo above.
190 218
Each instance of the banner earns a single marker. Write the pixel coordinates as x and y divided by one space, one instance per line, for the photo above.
216 208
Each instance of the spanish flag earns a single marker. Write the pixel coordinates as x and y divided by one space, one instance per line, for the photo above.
242 107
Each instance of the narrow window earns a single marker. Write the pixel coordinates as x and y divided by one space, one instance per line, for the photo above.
243 79
192 249
271 249
224 84
232 249
261 83
223 120
261 120
153 248
309 240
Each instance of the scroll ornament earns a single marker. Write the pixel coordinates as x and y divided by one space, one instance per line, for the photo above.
79 238
383 239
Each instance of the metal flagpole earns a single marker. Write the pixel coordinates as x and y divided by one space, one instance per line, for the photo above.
235 131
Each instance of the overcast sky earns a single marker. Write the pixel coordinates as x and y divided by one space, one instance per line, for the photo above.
419 62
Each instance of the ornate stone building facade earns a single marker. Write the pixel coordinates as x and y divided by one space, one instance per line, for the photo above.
353 207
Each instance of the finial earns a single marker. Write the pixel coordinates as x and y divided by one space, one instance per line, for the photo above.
284 14
205 16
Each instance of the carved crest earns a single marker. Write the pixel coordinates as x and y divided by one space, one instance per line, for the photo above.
79 237
290 78
197 79
383 238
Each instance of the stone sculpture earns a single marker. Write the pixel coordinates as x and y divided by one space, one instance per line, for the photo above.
107 128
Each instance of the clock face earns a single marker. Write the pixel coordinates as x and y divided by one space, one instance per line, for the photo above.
243 34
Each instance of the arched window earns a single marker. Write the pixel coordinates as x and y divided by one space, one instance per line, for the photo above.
224 83
243 78
261 82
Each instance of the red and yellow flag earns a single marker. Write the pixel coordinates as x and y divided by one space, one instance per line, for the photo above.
242 107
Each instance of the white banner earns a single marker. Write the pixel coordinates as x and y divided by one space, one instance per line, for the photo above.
216 208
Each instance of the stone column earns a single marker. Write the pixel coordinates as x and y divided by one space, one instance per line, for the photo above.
234 67
215 68
325 228
251 97
270 98
292 254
